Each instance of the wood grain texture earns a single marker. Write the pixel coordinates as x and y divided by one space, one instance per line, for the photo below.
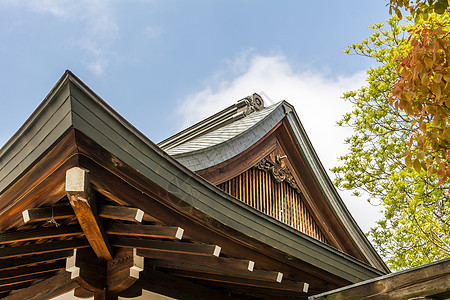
47 289
82 199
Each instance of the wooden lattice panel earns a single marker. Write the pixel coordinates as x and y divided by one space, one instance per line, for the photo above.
259 189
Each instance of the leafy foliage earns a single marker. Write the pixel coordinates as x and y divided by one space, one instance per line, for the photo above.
416 224
420 9
423 91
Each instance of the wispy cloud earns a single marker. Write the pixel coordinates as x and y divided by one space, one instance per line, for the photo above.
315 96
96 17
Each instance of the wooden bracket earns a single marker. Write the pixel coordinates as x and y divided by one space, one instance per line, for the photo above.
87 270
123 271
83 202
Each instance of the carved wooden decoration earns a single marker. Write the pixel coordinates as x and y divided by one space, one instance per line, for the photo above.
275 164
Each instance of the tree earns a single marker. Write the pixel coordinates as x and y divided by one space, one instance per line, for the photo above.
423 90
420 9
416 224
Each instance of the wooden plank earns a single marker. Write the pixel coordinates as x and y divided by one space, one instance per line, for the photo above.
178 247
43 268
41 233
82 199
262 275
153 231
11 263
121 213
212 261
12 287
420 282
9 252
47 289
46 213
25 278
287 285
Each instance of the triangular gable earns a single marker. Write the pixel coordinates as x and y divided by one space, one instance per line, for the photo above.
75 157
306 200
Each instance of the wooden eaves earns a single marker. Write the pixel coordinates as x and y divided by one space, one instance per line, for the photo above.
74 128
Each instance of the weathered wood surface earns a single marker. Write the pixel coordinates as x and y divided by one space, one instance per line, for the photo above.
270 276
32 249
432 280
167 246
42 185
47 289
151 231
82 199
10 263
121 213
41 233
123 271
87 270
47 213
211 261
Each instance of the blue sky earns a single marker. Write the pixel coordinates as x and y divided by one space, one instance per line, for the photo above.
166 64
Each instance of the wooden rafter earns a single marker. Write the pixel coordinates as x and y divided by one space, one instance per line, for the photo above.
121 213
9 252
286 285
47 213
169 246
41 233
43 268
47 289
261 275
11 263
82 199
153 231
212 261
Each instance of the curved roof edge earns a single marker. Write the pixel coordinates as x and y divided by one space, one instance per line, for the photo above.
218 153
137 151
330 192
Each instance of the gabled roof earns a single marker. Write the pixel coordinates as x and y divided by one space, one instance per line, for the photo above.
75 128
220 143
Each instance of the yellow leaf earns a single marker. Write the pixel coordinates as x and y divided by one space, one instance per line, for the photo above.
428 61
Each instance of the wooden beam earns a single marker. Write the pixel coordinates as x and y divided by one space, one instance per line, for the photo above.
43 268
11 263
270 276
176 287
12 287
211 261
287 285
430 280
153 231
46 213
123 271
47 289
41 233
87 270
169 246
121 213
81 197
9 252
25 278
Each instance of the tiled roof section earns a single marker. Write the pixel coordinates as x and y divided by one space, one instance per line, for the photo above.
226 142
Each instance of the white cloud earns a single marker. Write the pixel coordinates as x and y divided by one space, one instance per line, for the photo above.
315 96
97 19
